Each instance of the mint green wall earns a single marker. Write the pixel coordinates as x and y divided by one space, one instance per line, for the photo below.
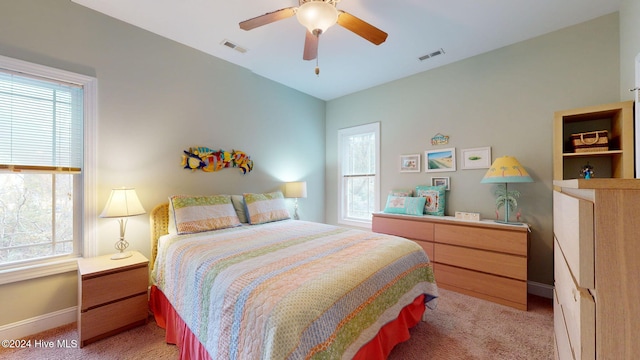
629 46
157 98
504 99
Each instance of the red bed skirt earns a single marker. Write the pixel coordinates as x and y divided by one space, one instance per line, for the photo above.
190 347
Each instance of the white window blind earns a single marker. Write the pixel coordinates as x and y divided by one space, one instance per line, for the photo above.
41 124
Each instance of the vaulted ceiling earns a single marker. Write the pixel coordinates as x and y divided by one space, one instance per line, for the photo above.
348 63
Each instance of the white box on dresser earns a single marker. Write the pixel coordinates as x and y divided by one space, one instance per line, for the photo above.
596 267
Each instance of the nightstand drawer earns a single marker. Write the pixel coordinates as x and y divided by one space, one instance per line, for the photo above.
506 241
101 289
106 320
486 261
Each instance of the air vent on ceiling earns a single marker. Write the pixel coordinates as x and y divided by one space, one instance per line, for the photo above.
233 46
432 54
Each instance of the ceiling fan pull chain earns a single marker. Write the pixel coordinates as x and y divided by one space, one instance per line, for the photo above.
317 69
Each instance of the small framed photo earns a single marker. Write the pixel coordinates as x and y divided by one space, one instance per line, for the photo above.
410 163
440 160
476 158
441 181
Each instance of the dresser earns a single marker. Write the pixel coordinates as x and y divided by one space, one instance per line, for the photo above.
112 295
484 259
596 226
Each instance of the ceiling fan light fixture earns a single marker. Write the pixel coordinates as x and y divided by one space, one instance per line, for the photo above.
317 16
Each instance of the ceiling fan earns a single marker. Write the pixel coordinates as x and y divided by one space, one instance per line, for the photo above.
317 16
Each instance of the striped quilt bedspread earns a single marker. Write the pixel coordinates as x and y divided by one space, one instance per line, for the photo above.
290 289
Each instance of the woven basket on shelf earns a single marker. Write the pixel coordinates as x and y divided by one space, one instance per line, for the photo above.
590 141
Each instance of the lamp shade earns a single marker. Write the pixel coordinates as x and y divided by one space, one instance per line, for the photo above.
317 15
296 189
122 202
506 169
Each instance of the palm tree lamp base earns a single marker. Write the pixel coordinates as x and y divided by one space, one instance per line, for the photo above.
507 199
503 171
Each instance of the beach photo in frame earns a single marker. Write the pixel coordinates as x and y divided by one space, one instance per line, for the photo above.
441 181
410 163
440 160
476 158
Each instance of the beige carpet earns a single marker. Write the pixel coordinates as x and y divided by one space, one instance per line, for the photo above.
462 327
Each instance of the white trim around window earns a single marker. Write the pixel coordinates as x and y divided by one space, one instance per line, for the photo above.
89 214
372 173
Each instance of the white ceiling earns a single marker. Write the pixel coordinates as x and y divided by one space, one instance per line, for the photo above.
348 63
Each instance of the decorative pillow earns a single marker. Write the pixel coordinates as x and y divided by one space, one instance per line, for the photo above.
262 208
405 205
435 200
203 213
401 192
172 220
238 204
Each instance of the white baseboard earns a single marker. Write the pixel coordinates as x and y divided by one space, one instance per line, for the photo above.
38 324
540 289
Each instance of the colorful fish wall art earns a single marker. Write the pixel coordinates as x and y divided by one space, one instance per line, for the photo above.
210 160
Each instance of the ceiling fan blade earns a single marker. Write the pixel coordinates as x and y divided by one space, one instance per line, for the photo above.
361 28
310 46
267 18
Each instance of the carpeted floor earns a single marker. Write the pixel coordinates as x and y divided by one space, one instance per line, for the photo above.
462 327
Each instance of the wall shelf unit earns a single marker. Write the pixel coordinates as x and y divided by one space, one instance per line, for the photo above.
617 162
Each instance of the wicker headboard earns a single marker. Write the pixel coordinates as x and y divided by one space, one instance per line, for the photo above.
159 225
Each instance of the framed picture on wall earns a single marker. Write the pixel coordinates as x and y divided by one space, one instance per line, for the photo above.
440 160
476 158
441 181
410 163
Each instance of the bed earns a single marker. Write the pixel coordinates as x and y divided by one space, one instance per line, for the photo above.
286 289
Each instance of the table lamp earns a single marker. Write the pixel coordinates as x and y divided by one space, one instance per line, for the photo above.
506 170
122 203
295 189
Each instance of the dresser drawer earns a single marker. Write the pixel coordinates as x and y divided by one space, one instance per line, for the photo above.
480 260
507 241
428 248
561 337
578 309
484 259
411 229
573 228
104 320
474 283
103 288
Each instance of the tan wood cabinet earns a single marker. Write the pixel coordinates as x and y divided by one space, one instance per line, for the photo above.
616 162
596 266
112 295
484 259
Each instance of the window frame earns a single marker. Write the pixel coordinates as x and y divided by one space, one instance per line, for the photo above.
88 220
342 200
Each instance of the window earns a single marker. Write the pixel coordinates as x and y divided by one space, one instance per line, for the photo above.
359 183
46 169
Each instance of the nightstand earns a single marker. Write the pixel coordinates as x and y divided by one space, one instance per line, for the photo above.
112 295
